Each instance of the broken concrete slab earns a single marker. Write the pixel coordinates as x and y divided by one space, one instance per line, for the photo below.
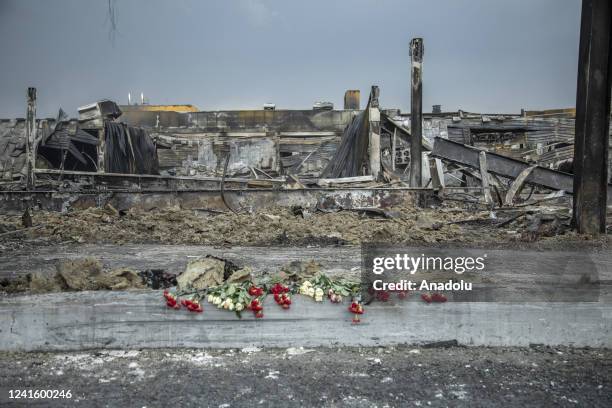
201 274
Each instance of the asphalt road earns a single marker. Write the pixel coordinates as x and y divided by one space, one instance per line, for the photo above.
347 377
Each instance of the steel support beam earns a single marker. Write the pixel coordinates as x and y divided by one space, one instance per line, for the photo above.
374 135
30 142
593 117
416 111
504 166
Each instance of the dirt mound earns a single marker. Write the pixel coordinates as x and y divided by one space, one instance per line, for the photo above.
77 275
275 226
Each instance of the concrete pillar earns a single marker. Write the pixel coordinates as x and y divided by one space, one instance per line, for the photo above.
592 117
416 111
30 142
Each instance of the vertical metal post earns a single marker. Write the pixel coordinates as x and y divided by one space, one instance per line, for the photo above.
416 111
30 138
592 117
393 148
101 150
374 137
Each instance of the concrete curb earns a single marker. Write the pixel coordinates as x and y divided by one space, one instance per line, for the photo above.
139 319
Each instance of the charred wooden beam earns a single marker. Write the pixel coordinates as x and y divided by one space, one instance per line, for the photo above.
593 117
416 111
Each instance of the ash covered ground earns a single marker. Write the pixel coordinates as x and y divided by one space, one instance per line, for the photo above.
322 377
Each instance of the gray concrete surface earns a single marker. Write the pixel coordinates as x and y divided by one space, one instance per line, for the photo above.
322 377
140 319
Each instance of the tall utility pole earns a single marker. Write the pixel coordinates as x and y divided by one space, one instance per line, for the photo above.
593 117
416 111
30 142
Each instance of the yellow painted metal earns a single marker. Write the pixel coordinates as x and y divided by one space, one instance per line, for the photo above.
158 108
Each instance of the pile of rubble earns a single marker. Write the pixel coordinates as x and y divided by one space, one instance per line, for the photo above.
283 226
87 274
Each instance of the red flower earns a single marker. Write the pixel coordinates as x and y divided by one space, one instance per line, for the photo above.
255 291
186 302
426 297
256 306
438 297
382 295
283 300
356 308
195 307
278 289
259 314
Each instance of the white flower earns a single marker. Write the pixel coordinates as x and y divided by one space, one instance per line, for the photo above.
239 307
231 306
307 284
210 298
217 300
319 292
310 292
318 298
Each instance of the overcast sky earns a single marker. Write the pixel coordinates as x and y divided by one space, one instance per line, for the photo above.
480 55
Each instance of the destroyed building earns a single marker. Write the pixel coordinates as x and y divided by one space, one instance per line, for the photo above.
166 151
